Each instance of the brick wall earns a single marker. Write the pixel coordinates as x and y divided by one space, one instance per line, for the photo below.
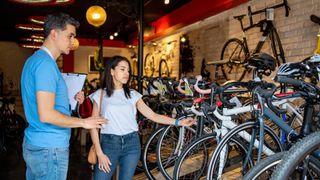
297 33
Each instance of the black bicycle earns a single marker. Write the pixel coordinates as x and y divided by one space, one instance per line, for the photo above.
235 52
12 125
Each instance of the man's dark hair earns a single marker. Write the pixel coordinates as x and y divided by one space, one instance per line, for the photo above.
58 21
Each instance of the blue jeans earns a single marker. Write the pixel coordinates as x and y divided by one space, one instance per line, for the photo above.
124 150
45 163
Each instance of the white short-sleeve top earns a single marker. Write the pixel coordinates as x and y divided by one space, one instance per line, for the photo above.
119 110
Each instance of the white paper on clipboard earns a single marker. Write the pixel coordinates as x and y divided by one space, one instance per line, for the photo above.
75 82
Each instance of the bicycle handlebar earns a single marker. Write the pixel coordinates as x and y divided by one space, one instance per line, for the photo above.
196 87
284 3
312 91
222 90
284 79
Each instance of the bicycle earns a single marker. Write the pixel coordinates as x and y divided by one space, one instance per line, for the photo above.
307 69
306 90
150 153
235 52
158 59
12 125
203 147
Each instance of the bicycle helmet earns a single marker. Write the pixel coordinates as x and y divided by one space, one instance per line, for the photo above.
263 62
289 69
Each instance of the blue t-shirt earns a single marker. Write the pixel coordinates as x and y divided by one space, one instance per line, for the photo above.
41 73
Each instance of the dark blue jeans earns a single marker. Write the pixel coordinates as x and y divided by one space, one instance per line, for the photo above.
124 150
45 163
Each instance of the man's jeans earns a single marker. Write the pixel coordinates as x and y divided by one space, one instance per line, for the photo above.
120 149
45 163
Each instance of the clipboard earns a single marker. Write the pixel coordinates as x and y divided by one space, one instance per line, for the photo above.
74 82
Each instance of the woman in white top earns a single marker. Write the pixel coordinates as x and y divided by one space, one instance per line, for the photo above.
119 141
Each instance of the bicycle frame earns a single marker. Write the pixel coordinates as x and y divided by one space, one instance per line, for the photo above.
267 29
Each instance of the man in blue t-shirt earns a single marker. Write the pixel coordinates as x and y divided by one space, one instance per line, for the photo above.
45 101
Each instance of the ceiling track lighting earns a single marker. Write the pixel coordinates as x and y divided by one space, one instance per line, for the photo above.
29 27
37 36
43 2
32 40
31 46
37 19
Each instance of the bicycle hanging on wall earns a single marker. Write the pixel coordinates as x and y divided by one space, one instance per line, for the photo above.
235 51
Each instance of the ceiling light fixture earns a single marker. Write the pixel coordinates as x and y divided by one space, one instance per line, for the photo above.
166 1
111 37
96 16
115 34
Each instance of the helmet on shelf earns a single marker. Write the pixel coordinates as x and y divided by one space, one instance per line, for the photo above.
263 62
289 69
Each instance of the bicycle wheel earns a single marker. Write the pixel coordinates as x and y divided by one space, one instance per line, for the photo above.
265 168
149 65
242 132
171 142
149 159
235 52
299 162
163 68
193 161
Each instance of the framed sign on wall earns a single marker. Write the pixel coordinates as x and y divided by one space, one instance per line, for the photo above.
92 68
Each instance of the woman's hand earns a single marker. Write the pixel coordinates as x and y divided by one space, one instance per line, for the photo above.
104 162
187 122
79 97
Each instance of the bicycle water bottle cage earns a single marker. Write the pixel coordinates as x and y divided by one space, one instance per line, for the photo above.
263 63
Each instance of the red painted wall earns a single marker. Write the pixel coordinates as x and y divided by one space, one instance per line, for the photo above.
191 12
68 62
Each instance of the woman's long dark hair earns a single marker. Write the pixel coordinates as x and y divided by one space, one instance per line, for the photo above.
107 80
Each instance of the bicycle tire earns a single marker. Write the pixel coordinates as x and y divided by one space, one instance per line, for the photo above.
149 153
166 147
166 67
264 169
296 154
194 150
236 53
149 65
235 131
